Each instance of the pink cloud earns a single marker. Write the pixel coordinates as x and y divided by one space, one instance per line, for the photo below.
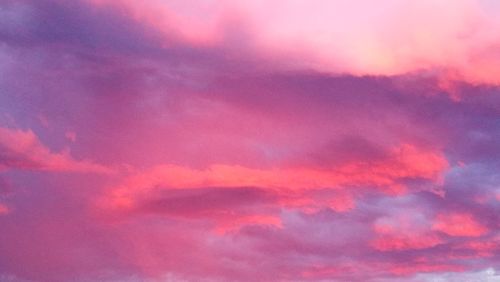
342 202
459 224
406 242
408 230
455 40
254 148
412 268
235 223
405 162
482 248
3 209
70 135
21 149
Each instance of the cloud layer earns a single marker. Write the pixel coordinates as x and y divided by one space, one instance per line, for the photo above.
249 140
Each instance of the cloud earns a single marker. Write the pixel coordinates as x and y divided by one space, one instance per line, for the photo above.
486 275
406 162
228 209
480 248
454 40
256 140
3 209
407 231
459 224
22 150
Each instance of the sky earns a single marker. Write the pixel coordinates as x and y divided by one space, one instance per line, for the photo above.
250 140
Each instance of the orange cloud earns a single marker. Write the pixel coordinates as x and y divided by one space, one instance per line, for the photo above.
459 224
